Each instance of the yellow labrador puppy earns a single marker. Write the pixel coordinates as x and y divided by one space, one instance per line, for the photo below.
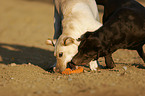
73 18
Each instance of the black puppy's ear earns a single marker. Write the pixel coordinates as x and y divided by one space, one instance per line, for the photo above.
85 36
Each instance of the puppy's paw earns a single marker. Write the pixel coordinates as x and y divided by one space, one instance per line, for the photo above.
93 65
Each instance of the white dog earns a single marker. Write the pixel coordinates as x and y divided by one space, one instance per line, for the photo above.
73 18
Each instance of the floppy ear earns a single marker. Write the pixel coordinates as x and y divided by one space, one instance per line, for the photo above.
51 42
87 34
84 36
68 40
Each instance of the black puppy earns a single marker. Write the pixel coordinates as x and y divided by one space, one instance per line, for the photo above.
110 6
124 29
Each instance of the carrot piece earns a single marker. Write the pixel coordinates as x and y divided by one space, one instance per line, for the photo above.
69 71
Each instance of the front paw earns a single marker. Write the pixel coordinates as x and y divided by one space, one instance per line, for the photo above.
93 65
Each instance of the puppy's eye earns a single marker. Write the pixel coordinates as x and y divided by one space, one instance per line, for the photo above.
60 54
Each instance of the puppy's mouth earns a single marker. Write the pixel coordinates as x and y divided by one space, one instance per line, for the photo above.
71 65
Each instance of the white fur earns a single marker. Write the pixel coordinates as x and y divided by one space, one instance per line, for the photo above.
77 17
93 65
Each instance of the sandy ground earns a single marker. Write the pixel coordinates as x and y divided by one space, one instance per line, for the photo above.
24 58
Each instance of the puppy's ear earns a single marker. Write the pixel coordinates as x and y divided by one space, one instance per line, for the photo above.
68 40
51 42
85 36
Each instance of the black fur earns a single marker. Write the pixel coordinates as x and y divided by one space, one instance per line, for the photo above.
111 6
124 28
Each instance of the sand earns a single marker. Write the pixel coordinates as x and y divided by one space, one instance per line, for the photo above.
25 58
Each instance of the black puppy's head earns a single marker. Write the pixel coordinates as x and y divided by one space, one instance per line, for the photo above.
87 49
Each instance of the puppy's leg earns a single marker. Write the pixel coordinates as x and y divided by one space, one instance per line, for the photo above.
141 53
109 61
57 24
94 65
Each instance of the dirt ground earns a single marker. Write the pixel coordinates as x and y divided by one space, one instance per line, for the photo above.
24 58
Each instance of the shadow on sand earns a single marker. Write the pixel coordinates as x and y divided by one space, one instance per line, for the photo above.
140 66
18 54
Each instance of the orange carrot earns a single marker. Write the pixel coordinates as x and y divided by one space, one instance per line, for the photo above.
69 71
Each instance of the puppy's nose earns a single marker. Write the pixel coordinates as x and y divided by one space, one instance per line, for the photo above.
60 68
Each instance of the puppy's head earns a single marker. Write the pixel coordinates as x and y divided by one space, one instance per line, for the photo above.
87 50
65 49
